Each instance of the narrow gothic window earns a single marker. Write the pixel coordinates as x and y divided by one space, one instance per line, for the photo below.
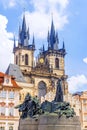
26 59
56 63
16 60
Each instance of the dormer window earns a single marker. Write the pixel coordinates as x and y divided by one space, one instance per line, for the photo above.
7 81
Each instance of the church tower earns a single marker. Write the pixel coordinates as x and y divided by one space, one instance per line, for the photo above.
24 52
54 58
53 55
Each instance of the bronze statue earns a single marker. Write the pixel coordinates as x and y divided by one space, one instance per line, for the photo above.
59 92
31 106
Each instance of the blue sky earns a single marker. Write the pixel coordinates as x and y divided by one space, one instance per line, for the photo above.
70 19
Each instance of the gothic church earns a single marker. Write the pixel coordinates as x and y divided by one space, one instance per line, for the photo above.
38 77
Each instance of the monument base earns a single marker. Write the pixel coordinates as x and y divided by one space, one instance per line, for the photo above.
50 122
28 124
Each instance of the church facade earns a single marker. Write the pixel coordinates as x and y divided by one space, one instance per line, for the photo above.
40 76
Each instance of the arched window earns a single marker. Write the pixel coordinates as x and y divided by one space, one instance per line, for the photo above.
26 59
11 128
16 60
56 63
42 90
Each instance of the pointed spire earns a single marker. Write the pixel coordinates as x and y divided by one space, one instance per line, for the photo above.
63 45
63 49
52 35
24 34
52 28
19 35
24 24
14 45
33 42
43 48
56 42
57 39
48 40
52 24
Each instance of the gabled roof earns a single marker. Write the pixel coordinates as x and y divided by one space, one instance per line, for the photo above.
1 74
78 93
12 79
15 71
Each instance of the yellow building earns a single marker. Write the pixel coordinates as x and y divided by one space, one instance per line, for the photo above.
9 98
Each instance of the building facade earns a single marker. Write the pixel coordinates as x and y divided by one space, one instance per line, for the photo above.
9 98
83 113
39 76
78 101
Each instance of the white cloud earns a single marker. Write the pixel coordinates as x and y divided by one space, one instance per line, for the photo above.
85 60
40 18
6 45
39 23
77 83
13 3
38 4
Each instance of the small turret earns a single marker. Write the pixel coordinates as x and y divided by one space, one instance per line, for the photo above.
33 43
19 36
63 49
63 46
56 42
43 48
48 40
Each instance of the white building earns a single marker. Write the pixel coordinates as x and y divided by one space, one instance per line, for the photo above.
9 98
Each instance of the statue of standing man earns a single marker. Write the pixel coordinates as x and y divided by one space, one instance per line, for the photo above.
59 92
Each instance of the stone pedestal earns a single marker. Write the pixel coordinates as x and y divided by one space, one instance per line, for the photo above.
28 124
50 122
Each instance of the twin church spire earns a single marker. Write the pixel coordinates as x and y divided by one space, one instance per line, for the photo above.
24 36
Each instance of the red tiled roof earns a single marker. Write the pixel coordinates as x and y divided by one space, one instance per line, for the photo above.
2 75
